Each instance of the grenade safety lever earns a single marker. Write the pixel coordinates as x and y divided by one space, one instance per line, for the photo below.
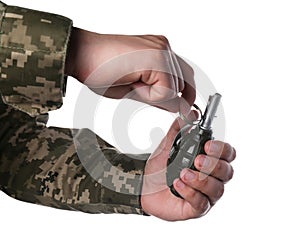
190 142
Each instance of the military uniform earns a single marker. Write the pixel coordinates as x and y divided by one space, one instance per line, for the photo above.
40 164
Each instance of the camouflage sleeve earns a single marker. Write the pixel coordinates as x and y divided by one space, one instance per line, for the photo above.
66 169
33 48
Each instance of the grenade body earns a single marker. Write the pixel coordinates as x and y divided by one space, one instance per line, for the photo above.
186 146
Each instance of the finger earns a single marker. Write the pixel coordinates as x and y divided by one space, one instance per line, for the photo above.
155 87
178 71
120 88
166 144
175 105
172 63
171 105
220 149
198 201
161 41
174 70
189 93
215 167
126 91
116 92
189 90
210 186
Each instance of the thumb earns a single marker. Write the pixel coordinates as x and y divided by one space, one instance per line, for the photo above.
176 126
155 171
166 144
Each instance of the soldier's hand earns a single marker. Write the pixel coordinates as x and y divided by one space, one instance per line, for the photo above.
200 189
142 68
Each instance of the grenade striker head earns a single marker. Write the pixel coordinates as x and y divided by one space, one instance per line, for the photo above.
210 111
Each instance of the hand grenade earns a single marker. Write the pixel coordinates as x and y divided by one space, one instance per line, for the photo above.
190 142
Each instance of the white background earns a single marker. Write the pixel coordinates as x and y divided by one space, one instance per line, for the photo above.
250 50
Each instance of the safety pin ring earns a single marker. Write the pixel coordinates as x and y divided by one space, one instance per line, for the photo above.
195 122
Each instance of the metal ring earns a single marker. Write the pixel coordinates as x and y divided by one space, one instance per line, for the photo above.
189 121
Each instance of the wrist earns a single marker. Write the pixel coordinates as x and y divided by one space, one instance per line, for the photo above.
84 53
72 50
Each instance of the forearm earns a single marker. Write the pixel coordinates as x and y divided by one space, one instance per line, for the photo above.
46 166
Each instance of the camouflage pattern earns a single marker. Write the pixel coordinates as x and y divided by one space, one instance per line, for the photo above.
33 48
40 164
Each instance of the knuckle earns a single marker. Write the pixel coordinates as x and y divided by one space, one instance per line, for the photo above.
163 38
163 95
227 150
231 173
163 42
203 206
192 194
221 191
203 180
218 166
227 147
187 68
233 155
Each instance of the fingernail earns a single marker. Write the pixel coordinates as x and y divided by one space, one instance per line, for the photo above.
189 175
214 147
205 162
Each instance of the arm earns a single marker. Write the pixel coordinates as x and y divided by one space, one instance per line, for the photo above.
44 165
34 64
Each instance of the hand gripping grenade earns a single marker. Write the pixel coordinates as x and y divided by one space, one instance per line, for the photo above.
190 142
